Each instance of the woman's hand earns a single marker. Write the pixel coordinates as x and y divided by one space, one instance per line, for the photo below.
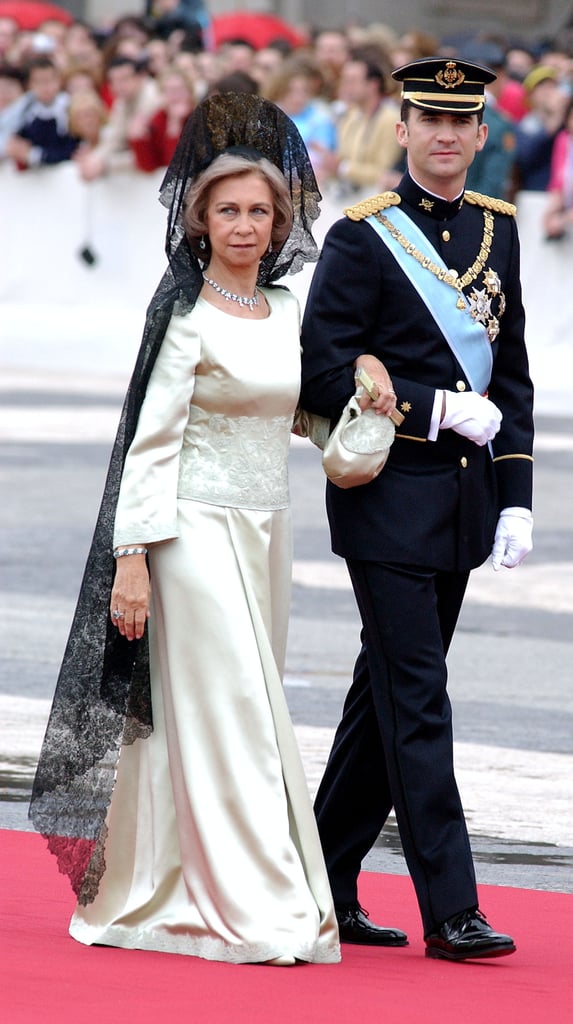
129 604
385 403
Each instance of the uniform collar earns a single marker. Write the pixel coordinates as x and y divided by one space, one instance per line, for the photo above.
426 202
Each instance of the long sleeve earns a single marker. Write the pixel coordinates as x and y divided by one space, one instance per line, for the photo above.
368 146
512 391
347 314
147 505
156 147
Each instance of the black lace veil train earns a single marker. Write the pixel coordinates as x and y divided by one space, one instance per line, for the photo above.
102 698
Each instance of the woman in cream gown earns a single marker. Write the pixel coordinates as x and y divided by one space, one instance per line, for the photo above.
211 845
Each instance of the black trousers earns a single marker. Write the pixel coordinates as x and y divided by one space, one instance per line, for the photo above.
394 747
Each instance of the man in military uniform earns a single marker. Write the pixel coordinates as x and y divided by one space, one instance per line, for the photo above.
420 288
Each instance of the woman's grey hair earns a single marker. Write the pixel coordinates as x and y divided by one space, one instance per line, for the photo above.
229 165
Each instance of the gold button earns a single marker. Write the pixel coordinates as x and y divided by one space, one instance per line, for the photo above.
460 385
463 462
446 236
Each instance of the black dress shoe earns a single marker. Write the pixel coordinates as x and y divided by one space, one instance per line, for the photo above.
354 926
467 936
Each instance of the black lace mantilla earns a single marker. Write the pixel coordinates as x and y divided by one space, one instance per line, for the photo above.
102 698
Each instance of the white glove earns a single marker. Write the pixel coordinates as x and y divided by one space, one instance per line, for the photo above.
512 537
471 415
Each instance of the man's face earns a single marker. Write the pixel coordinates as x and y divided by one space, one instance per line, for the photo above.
8 34
10 90
124 82
45 83
331 49
440 146
353 84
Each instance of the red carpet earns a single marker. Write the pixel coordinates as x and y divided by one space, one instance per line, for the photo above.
47 977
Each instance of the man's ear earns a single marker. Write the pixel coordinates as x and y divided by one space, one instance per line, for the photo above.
481 136
402 134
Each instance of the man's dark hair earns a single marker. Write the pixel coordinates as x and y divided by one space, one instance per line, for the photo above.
128 62
376 64
40 63
235 81
12 72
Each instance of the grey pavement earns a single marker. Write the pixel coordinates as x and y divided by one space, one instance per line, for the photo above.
510 664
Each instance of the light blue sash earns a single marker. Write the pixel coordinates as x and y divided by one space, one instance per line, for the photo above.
466 337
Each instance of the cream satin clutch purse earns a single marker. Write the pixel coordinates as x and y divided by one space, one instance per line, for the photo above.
355 452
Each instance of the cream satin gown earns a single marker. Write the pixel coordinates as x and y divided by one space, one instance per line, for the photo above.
212 848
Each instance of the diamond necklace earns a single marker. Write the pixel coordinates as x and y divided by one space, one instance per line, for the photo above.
243 300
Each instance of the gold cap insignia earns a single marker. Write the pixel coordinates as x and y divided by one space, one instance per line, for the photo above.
451 76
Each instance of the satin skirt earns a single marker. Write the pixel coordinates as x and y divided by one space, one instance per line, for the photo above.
212 848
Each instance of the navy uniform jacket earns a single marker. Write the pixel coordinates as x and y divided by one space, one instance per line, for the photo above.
435 504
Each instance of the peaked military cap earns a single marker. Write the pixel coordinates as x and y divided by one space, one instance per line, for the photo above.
444 84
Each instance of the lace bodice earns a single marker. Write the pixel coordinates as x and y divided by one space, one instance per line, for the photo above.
239 461
215 424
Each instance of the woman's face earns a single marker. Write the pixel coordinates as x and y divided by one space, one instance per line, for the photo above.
177 96
240 215
297 95
87 123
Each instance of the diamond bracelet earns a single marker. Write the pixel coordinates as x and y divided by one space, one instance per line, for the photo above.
120 552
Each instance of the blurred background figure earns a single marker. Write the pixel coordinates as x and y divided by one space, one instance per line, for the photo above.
267 62
167 15
204 66
491 170
129 37
559 56
81 53
157 56
42 135
12 102
236 81
374 34
9 31
559 211
519 61
153 142
294 88
80 79
136 98
11 85
413 45
331 50
236 55
367 152
536 132
87 115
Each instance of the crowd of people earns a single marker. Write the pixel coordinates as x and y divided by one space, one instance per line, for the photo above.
117 98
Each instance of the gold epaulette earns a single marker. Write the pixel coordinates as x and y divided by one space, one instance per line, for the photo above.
367 207
497 205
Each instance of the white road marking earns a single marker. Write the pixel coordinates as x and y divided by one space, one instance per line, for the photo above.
93 424
519 795
69 423
547 587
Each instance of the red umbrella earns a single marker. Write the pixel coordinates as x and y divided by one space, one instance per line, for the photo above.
257 28
29 13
